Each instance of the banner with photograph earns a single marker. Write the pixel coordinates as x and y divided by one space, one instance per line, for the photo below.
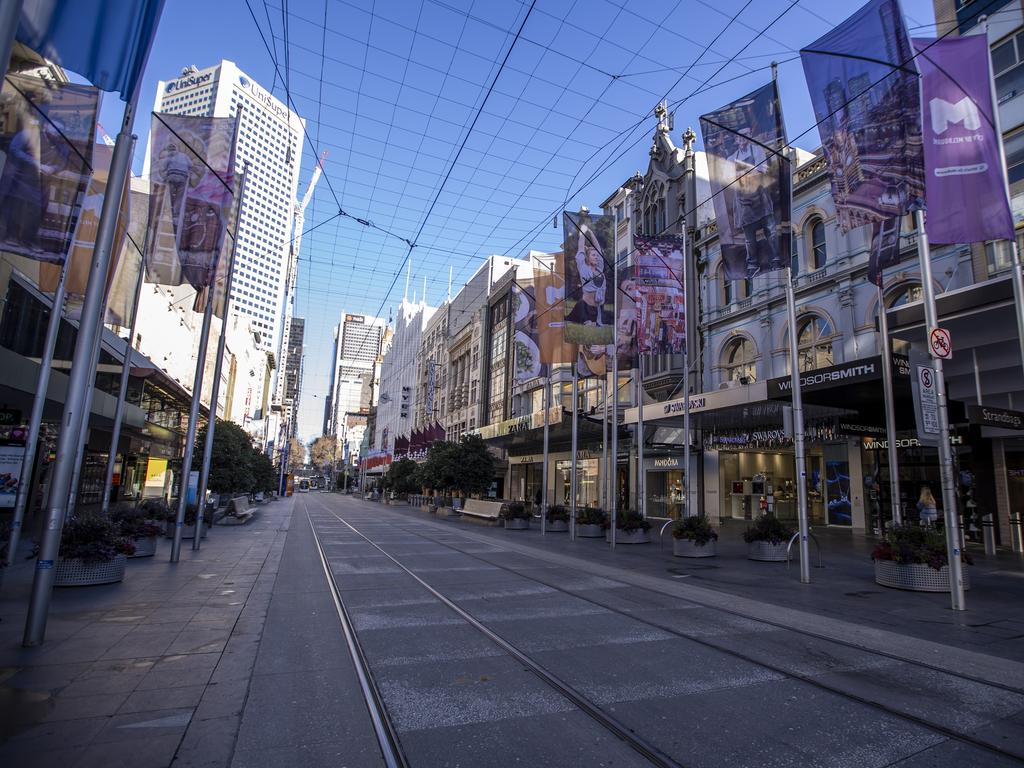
83 244
191 168
528 363
750 182
864 88
587 257
966 187
549 298
660 295
46 142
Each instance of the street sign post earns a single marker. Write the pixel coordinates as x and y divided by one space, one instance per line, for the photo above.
940 345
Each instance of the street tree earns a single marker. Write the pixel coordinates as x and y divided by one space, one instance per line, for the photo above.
232 462
402 477
296 453
475 465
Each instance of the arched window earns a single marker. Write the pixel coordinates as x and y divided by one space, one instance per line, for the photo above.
906 295
818 249
734 290
814 342
738 361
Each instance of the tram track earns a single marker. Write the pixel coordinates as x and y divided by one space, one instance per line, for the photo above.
651 752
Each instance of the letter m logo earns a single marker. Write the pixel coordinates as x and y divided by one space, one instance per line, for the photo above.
964 111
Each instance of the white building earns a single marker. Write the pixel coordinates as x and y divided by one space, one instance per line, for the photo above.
270 141
353 389
396 405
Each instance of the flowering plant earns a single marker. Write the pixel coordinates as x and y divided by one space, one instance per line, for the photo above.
908 544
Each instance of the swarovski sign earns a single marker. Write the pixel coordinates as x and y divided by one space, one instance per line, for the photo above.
679 406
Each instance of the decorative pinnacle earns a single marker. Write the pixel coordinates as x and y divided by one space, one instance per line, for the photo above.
688 138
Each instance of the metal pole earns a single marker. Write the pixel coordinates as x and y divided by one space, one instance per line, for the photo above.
572 465
115 435
641 475
190 434
890 412
204 472
76 477
38 406
686 435
544 466
83 370
602 488
10 15
798 433
956 575
614 426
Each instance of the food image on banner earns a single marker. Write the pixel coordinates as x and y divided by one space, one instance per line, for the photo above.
750 180
965 186
191 173
549 299
587 256
658 275
46 141
864 88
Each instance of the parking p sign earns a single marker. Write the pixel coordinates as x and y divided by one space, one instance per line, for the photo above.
940 345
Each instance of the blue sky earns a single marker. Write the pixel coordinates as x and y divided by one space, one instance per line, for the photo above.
389 89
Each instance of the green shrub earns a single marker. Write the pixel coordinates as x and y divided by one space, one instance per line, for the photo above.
768 528
696 529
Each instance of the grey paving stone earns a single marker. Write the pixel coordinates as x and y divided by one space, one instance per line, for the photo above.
161 698
956 754
154 752
397 646
341 753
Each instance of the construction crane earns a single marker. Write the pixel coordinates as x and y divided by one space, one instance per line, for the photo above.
292 275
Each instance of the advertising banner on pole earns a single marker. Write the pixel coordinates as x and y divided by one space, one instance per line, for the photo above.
47 143
11 458
864 88
587 256
660 292
750 181
549 298
191 169
526 343
966 188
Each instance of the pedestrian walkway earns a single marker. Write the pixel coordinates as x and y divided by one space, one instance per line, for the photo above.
151 670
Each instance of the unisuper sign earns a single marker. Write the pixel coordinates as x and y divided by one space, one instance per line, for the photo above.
188 82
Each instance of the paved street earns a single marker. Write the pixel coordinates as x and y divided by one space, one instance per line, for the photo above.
485 647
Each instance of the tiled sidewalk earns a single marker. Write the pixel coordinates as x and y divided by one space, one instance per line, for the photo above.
141 673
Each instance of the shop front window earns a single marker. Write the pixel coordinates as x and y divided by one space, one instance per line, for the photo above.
814 341
586 483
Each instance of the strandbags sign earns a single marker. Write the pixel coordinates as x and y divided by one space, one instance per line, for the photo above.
750 182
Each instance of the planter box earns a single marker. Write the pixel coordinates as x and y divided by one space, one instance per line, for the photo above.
630 537
589 530
76 573
145 547
767 552
916 577
187 531
689 548
517 524
557 526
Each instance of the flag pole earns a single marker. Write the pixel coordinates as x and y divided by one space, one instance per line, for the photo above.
799 456
204 473
38 405
115 435
544 466
605 472
890 413
190 434
614 425
76 478
83 370
572 465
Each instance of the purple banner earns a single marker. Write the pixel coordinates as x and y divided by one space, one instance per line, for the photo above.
863 85
966 187
750 181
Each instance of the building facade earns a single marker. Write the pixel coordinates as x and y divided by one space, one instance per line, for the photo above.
292 373
357 352
397 404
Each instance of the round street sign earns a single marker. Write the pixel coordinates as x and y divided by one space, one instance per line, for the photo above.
939 344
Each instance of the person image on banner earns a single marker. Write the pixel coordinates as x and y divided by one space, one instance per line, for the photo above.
192 170
47 152
588 240
660 296
526 347
750 182
864 88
